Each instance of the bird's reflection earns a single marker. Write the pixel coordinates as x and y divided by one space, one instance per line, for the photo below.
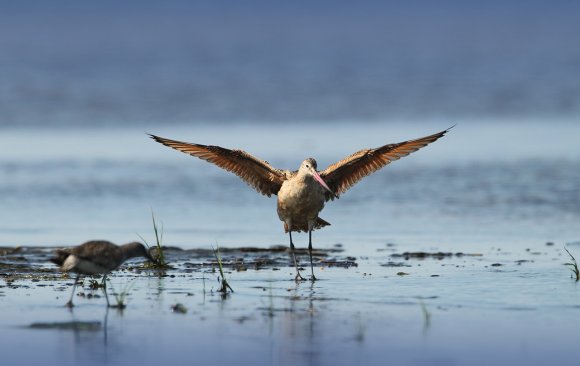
91 343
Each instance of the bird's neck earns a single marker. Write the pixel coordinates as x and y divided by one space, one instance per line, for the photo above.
131 250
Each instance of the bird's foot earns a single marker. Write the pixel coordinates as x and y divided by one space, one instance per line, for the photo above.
69 304
299 278
313 278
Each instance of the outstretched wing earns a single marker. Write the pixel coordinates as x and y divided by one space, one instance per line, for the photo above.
257 173
347 172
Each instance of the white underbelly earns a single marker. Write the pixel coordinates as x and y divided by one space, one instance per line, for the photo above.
300 202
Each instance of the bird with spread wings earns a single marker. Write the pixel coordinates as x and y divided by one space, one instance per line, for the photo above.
303 192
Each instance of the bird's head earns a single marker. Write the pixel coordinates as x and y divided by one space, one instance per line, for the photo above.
308 167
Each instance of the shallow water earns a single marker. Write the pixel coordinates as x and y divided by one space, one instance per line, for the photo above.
518 302
483 182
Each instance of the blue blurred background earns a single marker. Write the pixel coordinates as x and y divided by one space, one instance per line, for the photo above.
135 62
81 81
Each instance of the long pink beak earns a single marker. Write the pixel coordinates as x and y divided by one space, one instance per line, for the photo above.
323 183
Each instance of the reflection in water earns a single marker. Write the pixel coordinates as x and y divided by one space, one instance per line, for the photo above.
426 316
308 330
360 329
300 340
160 288
92 346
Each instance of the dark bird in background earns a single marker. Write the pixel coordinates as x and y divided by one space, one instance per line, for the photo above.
97 257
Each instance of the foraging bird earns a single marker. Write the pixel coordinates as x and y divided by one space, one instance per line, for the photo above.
97 257
301 193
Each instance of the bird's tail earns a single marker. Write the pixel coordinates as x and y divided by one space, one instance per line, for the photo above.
60 257
320 223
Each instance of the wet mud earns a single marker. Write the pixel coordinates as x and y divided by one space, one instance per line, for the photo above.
32 263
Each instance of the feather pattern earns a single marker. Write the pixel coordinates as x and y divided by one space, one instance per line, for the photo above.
347 172
257 173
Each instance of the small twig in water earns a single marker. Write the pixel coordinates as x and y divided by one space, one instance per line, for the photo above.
573 265
224 283
95 285
122 296
161 263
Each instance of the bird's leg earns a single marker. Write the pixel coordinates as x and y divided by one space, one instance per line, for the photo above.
70 301
104 285
298 276
310 253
